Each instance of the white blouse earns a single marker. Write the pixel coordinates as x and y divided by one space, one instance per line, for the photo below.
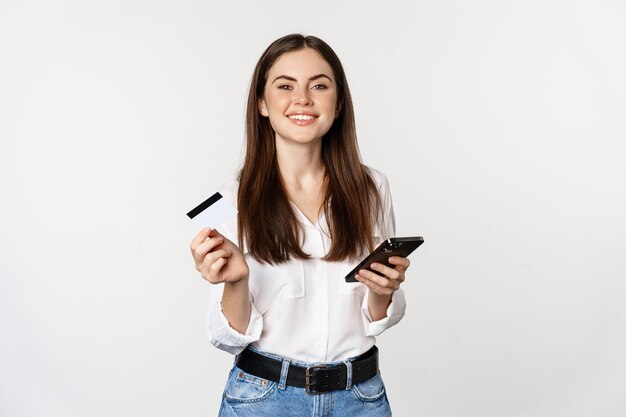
303 309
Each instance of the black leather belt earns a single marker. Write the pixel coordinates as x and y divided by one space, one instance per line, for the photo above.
316 378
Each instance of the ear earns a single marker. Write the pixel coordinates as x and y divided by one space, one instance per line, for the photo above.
338 109
262 107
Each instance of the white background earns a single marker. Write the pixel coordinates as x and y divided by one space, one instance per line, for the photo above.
500 125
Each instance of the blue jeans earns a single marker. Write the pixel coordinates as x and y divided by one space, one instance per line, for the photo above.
246 395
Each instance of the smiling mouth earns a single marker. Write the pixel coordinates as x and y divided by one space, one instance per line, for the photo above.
302 117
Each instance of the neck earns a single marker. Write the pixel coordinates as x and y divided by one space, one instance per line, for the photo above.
299 163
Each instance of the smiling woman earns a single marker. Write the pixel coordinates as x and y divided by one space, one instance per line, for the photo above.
307 209
298 75
303 91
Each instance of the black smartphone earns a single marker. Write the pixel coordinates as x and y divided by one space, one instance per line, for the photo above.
394 246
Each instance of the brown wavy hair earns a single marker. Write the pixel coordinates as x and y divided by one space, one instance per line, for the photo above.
266 221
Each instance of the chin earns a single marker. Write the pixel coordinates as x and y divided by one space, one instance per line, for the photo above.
304 141
302 138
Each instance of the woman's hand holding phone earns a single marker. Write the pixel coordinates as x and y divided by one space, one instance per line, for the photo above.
217 258
382 271
384 280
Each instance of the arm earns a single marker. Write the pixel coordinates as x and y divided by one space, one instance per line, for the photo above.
377 305
385 303
233 321
382 284
236 304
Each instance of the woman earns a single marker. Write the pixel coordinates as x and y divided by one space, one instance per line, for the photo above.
308 209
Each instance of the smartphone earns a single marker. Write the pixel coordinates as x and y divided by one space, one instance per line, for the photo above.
395 246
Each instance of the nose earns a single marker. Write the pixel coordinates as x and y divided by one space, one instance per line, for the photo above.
302 97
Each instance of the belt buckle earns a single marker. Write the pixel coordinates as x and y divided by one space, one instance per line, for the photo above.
308 374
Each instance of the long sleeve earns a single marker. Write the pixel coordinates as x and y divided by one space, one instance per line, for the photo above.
221 334
395 312
304 309
384 229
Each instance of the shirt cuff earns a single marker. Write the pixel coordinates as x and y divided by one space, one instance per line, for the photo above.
224 337
395 312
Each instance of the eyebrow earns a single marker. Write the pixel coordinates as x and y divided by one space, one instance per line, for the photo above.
315 77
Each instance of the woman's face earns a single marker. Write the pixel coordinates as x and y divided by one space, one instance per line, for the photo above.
300 97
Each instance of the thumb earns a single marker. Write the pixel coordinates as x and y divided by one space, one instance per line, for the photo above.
215 233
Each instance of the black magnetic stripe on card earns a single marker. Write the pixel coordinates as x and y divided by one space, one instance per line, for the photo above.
204 205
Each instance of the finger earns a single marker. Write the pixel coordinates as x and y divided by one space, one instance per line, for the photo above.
200 237
212 272
203 235
378 289
213 257
216 267
215 233
400 261
390 273
210 244
378 280
207 246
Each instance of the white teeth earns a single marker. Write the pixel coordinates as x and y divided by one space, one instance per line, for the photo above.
301 117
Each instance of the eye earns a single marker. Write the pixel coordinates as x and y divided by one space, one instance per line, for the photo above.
319 87
284 87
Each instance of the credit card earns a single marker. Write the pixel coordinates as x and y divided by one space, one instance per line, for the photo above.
212 212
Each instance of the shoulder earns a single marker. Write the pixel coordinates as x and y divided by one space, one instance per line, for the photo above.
385 223
382 184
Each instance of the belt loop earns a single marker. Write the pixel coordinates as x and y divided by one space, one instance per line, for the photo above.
283 374
348 375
